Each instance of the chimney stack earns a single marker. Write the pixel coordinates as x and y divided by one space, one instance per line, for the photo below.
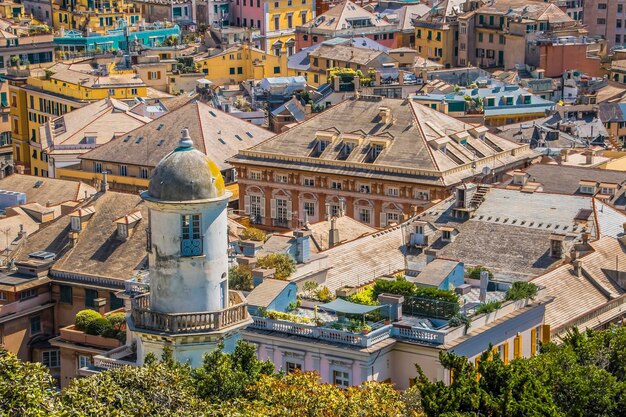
104 186
333 234
484 282
578 268
303 248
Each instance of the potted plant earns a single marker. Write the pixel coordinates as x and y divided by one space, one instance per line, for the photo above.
319 322
365 329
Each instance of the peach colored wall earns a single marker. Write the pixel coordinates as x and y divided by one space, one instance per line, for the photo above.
556 59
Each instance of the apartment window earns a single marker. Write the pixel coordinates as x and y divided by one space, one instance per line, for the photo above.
191 239
143 172
480 37
491 38
65 294
276 5
393 217
255 175
309 208
365 215
289 21
3 296
341 378
364 188
303 16
256 207
123 170
618 23
601 6
601 21
620 8
282 178
393 191
84 361
35 325
111 91
90 297
50 359
97 166
422 195
133 91
335 185
26 294
282 212
292 367
309 182
276 22
618 39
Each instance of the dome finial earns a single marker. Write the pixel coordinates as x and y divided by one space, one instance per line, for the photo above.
185 142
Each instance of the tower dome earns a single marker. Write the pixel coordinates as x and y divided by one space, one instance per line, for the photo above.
186 174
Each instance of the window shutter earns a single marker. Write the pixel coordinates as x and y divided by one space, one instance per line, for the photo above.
533 341
262 206
158 75
273 208
506 352
246 203
545 333
288 209
149 75
517 346
383 219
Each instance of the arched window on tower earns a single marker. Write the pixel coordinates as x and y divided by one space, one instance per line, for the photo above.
191 238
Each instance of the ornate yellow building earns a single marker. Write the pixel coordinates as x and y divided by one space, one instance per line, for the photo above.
96 16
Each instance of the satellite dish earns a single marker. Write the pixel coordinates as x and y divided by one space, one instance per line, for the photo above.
486 170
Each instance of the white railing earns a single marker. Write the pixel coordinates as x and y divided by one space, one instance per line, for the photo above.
435 337
322 333
111 359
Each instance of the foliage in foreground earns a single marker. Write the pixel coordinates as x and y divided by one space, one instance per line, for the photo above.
584 377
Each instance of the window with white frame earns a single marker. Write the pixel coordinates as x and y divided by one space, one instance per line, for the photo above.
334 209
282 212
255 205
587 189
3 296
393 191
144 173
123 170
341 378
393 217
97 167
75 224
446 235
365 215
364 188
336 185
84 361
309 208
281 178
51 359
419 229
606 191
292 367
309 182
422 195
255 175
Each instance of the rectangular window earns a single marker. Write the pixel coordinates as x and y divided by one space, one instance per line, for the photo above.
282 213
66 294
191 239
341 379
123 170
364 215
84 361
309 182
276 22
97 167
255 175
335 185
255 206
90 298
50 359
281 178
309 208
292 367
393 191
143 172
26 294
35 325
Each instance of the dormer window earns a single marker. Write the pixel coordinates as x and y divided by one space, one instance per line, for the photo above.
191 238
75 224
587 187
126 225
323 144
447 235
419 229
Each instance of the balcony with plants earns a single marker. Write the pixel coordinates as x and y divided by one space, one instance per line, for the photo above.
93 329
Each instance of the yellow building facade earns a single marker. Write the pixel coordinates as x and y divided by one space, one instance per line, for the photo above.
435 43
97 16
281 20
37 96
240 63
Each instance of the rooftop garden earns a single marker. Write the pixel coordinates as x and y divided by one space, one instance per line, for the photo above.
240 276
93 323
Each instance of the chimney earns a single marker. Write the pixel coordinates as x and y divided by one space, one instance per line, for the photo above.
333 234
585 237
578 268
250 247
394 306
622 237
385 115
564 154
307 110
261 274
589 158
484 282
357 83
303 246
104 185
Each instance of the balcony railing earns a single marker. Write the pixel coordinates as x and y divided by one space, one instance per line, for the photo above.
323 333
198 322
114 359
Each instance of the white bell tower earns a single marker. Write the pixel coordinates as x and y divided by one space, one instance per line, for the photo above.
189 307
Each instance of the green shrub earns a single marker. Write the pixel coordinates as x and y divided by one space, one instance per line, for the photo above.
117 321
489 307
282 262
399 286
84 317
365 297
324 294
252 233
100 327
240 278
522 290
474 272
436 294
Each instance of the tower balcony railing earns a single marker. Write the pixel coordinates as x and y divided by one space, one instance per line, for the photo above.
198 322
